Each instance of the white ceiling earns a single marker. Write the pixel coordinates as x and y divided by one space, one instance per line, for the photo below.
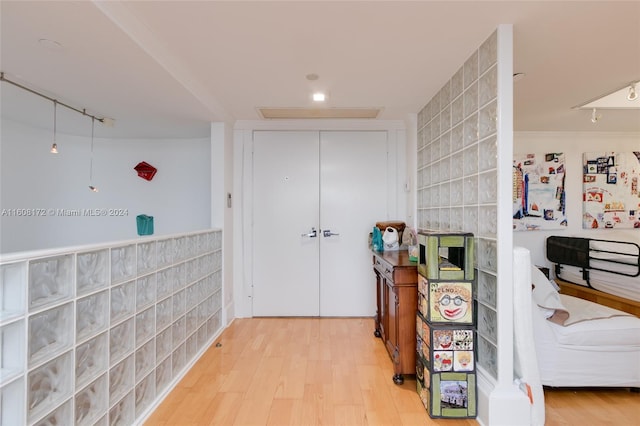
168 68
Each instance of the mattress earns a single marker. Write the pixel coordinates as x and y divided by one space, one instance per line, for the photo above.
614 327
598 352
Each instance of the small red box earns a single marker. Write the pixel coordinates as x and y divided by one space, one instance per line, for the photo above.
145 170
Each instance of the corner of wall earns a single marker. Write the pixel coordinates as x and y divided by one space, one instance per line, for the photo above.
501 405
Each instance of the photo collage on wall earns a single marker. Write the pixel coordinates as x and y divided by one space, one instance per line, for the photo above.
539 192
610 190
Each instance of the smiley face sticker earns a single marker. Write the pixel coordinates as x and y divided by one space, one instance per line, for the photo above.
451 302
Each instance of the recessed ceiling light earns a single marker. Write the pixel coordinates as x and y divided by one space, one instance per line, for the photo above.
318 97
518 76
312 77
50 44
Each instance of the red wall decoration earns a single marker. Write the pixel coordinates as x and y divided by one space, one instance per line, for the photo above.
145 170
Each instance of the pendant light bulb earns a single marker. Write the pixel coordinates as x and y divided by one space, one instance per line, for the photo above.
93 188
632 95
54 148
595 117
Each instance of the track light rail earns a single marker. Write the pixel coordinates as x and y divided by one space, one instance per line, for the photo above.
55 101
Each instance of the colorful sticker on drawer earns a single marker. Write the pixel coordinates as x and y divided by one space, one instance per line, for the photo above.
419 326
423 285
463 361
423 306
451 302
426 332
423 393
426 353
420 369
419 344
442 339
442 361
463 340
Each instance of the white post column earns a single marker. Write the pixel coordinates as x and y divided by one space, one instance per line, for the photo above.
505 404
222 203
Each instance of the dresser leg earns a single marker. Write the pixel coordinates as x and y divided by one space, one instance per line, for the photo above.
377 333
398 379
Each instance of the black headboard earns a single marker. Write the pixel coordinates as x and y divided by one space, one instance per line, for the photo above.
568 251
587 254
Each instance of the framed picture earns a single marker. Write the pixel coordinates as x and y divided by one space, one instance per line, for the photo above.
610 194
539 187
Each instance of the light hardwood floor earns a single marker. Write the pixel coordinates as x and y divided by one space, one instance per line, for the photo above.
332 371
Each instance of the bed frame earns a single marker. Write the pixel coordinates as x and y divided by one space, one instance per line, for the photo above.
589 254
597 296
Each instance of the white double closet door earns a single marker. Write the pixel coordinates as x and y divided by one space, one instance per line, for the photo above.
316 196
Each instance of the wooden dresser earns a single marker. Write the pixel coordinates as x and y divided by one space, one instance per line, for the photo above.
397 298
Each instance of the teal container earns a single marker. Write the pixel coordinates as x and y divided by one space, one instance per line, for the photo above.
145 224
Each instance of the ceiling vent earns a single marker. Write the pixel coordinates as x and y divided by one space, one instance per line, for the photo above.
306 113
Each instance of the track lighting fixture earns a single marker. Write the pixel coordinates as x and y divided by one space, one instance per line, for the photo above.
624 97
109 122
632 95
54 147
595 117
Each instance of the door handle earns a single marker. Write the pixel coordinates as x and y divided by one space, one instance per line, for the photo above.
328 233
311 234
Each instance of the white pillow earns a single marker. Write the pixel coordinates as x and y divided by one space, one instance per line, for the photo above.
546 296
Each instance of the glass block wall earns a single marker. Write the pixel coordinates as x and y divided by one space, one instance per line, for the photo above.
457 181
97 336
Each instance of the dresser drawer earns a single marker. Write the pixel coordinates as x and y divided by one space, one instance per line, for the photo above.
385 269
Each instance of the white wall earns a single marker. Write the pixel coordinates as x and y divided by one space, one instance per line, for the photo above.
573 145
179 196
411 173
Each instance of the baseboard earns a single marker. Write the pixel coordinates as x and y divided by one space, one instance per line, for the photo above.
501 405
160 398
